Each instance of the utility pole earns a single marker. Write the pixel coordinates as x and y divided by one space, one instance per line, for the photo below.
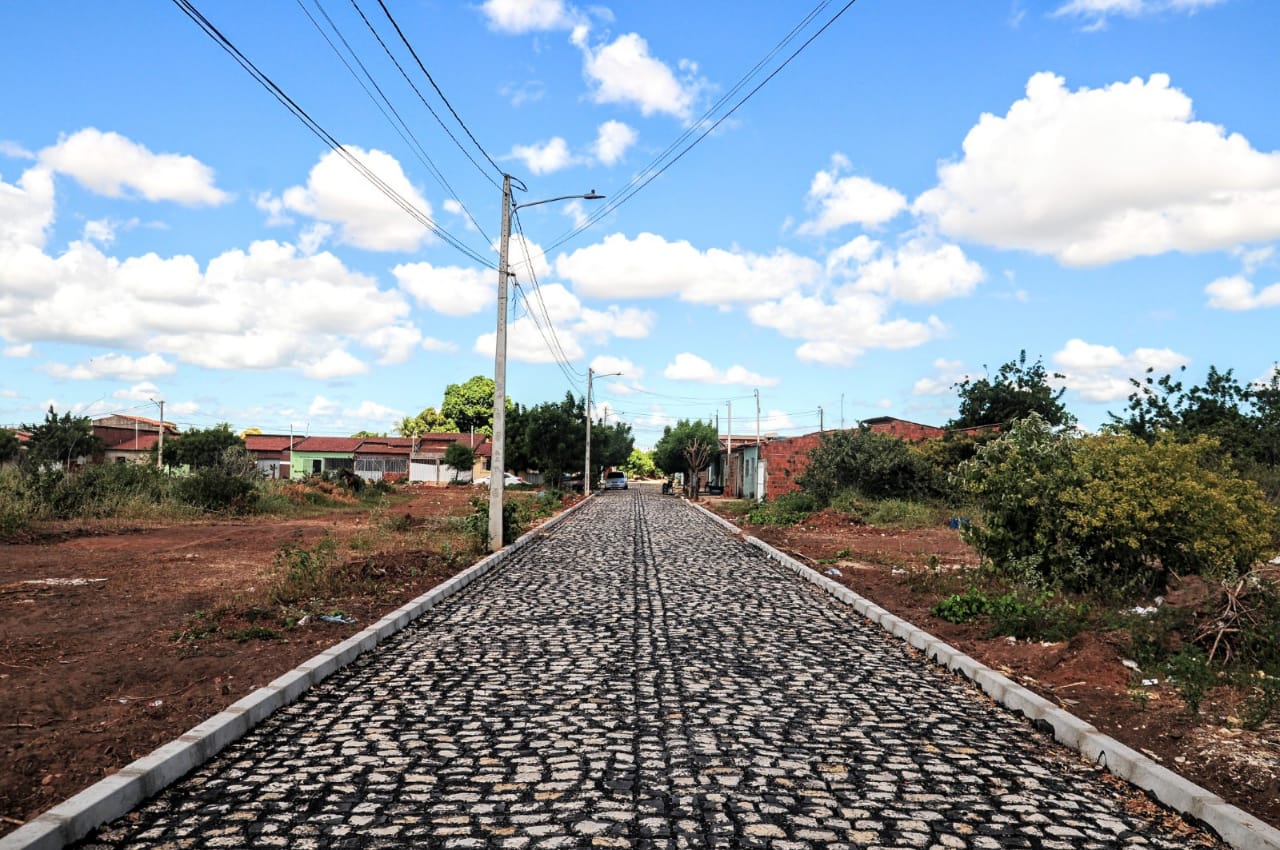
757 419
160 448
821 423
841 411
497 467
728 458
586 476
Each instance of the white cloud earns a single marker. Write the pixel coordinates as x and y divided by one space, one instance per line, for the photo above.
544 158
338 194
530 341
1099 175
918 272
1238 293
430 343
624 72
13 150
394 343
521 16
1102 373
114 366
338 363
451 290
26 209
605 363
19 351
691 367
1097 11
612 140
777 420
220 318
849 200
651 267
112 165
321 406
1254 258
371 411
838 331
948 373
145 391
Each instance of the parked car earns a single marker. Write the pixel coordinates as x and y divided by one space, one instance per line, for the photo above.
616 480
508 480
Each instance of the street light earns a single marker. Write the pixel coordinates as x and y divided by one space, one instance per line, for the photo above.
497 467
586 477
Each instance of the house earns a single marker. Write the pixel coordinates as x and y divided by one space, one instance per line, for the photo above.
273 453
318 455
426 461
384 458
131 439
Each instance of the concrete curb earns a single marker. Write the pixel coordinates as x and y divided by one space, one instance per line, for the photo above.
1235 826
119 793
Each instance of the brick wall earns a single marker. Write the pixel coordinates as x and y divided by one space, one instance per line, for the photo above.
913 431
785 461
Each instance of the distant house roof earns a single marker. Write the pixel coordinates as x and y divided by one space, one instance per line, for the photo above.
346 445
385 446
120 420
269 442
142 441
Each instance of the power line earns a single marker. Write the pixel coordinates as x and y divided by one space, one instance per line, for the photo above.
537 289
189 9
653 170
398 124
431 80
422 98
571 376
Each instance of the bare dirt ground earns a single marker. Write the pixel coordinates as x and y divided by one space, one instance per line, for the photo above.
1085 675
106 642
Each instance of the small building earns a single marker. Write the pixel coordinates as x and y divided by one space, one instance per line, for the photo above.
273 453
426 460
131 439
320 455
383 458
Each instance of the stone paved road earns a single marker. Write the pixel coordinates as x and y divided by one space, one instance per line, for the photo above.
641 679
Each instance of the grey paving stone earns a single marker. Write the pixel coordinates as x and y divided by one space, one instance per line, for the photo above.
640 678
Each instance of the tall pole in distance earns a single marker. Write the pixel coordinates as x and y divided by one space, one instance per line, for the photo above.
728 460
821 422
586 473
497 468
160 448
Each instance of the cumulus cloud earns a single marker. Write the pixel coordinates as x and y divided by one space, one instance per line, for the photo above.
947 374
838 331
1239 293
394 343
112 165
624 72
605 363
1093 176
18 351
430 343
691 367
529 340
371 411
26 209
522 16
321 406
339 195
1097 11
114 366
1102 372
842 200
919 272
651 267
545 157
613 138
451 290
215 318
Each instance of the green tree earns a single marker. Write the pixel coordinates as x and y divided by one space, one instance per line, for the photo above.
460 457
1016 391
549 437
639 464
689 447
611 445
879 466
470 404
59 440
367 434
201 449
429 421
10 447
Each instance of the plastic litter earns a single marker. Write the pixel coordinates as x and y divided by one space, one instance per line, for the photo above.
958 522
1130 663
832 571
338 618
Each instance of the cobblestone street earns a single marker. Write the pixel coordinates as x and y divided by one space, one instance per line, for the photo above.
639 678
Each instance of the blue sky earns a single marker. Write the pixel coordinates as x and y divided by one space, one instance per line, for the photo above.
927 188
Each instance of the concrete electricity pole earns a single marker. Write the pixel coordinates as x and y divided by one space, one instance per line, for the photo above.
160 448
586 474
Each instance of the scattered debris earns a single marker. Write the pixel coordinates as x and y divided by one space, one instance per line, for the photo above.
1130 663
832 571
338 618
63 582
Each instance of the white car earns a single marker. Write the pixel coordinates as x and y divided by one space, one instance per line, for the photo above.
508 480
616 480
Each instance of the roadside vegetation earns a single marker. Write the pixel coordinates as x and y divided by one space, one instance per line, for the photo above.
1075 532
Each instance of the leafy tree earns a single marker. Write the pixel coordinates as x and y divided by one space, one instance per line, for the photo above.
365 434
611 445
250 431
689 447
59 440
429 421
459 456
639 464
10 447
879 466
1016 391
200 449
470 404
549 437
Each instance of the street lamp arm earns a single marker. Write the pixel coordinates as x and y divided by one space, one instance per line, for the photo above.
589 196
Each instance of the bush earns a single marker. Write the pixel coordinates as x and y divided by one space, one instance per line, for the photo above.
214 490
299 573
476 524
787 509
1015 615
1111 513
904 513
878 466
